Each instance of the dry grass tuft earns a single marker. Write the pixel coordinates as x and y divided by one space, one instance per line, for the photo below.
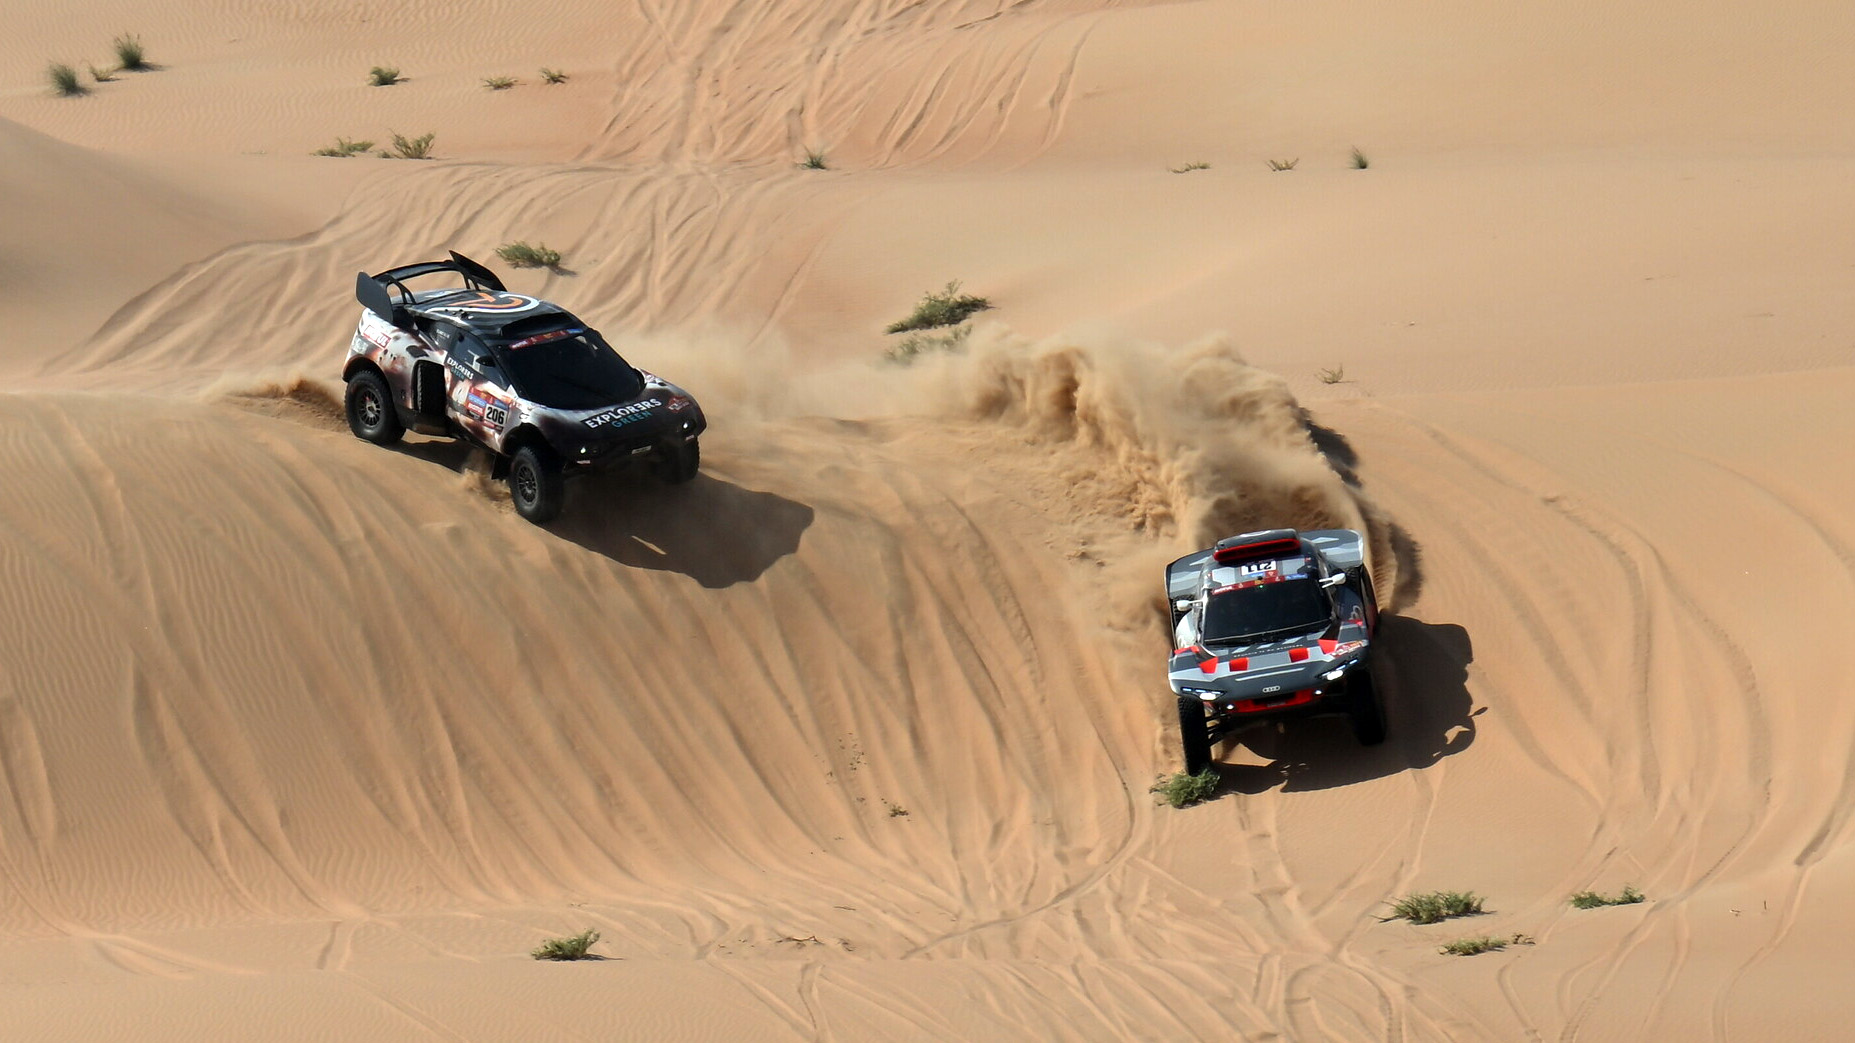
522 255
572 947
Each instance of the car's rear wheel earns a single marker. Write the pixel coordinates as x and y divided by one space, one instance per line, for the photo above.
370 410
1365 709
536 485
1194 734
679 463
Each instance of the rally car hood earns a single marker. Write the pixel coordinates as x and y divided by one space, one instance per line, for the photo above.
661 409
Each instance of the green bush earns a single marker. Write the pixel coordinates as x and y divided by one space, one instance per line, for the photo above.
553 76
1189 167
65 81
129 54
1279 165
343 148
499 83
916 345
1481 944
383 75
1360 162
1592 900
814 159
413 148
1182 790
572 947
1436 906
946 307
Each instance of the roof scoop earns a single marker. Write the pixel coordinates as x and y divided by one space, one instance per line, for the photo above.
1256 546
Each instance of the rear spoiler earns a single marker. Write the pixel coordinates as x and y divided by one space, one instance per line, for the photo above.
375 292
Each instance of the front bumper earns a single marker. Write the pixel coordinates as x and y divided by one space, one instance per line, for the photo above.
636 448
1317 695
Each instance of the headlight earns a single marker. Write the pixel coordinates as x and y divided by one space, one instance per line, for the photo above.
1335 673
1202 693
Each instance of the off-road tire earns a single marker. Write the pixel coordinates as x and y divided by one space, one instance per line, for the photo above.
1360 579
370 410
1364 709
679 463
536 485
1194 734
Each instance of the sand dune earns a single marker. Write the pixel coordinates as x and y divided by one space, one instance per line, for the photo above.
852 736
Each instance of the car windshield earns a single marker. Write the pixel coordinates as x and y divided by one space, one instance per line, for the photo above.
1266 608
571 368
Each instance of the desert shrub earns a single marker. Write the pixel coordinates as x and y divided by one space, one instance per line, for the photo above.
1481 944
1436 906
522 255
1592 900
413 148
383 75
343 148
1182 790
101 75
1335 375
553 76
1279 165
915 345
572 947
946 307
1360 162
499 83
64 80
129 53
814 159
1189 167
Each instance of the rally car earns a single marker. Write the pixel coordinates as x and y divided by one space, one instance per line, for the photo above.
1269 626
515 375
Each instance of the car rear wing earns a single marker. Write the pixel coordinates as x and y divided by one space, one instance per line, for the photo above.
375 292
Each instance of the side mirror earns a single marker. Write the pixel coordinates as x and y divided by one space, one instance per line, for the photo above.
1182 605
1334 580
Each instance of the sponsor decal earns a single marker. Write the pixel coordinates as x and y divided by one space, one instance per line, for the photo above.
487 406
373 334
623 415
481 300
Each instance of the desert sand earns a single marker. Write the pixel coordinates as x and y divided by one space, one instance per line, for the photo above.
852 737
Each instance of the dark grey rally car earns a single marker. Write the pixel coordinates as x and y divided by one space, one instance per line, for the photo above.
1272 625
515 375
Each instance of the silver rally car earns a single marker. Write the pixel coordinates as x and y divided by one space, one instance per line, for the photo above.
1268 626
515 375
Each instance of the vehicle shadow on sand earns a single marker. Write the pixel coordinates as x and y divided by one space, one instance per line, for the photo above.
1422 673
711 530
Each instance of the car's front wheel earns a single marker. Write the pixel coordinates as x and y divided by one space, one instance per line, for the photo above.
1365 709
679 463
1194 734
536 485
370 410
